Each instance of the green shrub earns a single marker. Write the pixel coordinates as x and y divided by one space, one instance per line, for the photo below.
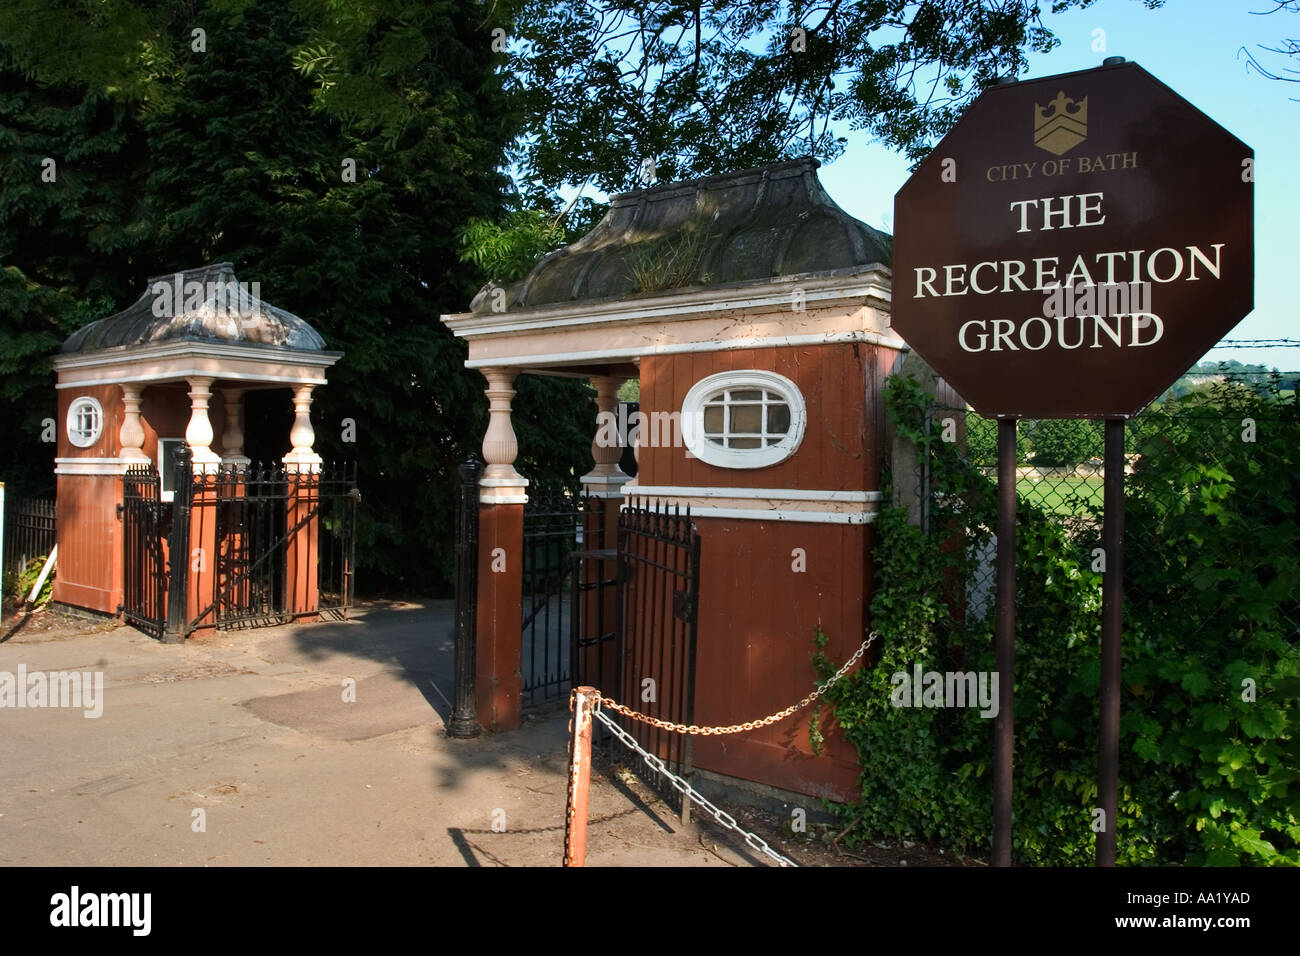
27 580
1213 557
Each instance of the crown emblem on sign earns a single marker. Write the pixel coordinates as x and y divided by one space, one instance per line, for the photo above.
1062 125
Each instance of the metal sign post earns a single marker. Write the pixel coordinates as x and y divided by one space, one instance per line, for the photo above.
1005 644
1112 625
1069 249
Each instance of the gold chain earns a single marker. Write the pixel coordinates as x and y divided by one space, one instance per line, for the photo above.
747 725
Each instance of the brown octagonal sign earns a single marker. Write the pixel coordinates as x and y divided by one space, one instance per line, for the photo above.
1074 245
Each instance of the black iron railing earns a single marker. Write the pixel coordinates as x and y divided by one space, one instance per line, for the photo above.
257 520
29 532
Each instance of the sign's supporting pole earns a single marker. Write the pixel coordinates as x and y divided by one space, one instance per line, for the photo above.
1005 643
1112 624
575 819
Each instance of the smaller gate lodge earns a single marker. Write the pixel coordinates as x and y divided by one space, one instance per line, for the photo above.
161 518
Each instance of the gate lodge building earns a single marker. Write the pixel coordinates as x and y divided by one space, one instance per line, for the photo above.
754 311
173 370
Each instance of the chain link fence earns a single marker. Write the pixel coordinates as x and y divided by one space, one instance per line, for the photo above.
1212 485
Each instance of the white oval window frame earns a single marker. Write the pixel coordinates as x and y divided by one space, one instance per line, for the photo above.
70 425
711 454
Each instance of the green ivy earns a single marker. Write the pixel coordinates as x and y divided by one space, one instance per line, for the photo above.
1206 776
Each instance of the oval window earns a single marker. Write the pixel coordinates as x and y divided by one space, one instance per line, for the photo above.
85 422
743 419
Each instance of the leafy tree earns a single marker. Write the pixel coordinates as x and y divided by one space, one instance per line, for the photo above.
703 87
1065 441
69 213
171 156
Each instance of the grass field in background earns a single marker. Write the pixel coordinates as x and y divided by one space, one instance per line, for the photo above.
1066 495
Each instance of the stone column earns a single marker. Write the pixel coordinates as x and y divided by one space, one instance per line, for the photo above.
606 478
131 443
237 586
600 528
303 465
198 434
500 483
203 505
302 435
131 434
499 637
232 439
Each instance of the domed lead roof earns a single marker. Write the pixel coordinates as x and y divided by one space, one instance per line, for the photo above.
751 226
222 310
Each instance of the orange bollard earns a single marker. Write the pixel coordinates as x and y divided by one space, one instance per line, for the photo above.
575 821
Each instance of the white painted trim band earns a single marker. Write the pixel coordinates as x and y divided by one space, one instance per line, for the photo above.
177 375
779 514
94 466
793 494
122 355
871 283
626 354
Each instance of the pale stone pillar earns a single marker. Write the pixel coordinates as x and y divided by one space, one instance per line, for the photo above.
198 434
232 439
606 478
500 483
302 435
131 434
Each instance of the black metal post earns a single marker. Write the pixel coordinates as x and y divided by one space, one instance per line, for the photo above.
1005 640
1112 625
463 722
178 549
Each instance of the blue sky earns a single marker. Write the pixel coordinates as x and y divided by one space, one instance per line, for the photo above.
1192 46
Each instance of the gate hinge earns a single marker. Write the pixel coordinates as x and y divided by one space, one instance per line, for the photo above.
120 508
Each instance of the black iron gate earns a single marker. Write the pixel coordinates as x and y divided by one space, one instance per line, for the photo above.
252 535
144 570
260 517
658 610
261 513
615 613
556 526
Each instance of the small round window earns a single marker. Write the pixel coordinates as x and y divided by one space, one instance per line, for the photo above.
85 422
743 419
